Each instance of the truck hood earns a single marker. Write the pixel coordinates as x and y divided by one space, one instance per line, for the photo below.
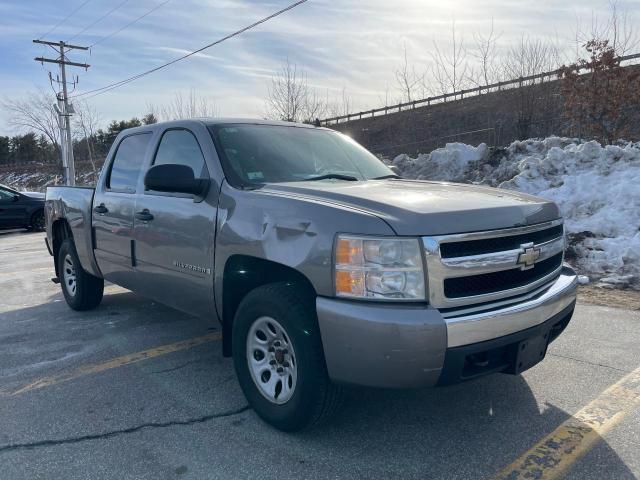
413 207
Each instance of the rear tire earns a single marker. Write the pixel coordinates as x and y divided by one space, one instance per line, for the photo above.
295 392
36 223
81 290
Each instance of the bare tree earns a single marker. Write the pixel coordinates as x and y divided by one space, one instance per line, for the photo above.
291 99
410 83
451 68
183 107
386 98
527 58
618 29
485 51
531 57
341 105
36 112
314 106
87 121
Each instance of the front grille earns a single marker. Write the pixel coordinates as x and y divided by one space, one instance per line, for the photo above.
498 244
498 281
483 268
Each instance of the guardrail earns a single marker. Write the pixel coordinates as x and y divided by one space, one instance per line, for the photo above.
459 95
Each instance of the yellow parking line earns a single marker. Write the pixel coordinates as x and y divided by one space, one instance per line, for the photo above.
116 362
552 456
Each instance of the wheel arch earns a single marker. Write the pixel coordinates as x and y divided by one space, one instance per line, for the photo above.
60 232
244 273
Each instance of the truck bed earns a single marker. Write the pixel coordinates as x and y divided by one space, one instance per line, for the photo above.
72 205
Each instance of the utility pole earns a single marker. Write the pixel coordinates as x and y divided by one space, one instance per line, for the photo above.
64 109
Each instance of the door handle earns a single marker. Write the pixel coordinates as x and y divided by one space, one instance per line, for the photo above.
144 215
101 209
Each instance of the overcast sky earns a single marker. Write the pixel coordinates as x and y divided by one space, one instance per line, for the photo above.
354 45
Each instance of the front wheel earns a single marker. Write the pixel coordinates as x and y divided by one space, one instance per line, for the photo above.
81 290
278 358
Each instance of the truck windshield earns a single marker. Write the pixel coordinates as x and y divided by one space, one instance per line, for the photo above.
256 154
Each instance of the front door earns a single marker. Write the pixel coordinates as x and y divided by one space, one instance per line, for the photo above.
175 233
113 209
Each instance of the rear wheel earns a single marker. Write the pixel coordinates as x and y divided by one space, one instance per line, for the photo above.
81 290
278 357
37 221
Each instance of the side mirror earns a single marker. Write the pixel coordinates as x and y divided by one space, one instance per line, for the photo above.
174 178
394 169
16 197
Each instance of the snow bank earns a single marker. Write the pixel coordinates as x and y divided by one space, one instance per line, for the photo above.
448 163
596 187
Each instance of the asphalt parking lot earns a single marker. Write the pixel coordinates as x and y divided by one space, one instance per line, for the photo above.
137 390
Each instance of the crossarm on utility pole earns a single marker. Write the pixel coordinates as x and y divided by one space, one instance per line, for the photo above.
51 60
57 44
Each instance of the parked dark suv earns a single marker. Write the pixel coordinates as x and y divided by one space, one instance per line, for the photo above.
21 209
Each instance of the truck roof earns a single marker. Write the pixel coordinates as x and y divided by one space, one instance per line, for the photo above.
210 121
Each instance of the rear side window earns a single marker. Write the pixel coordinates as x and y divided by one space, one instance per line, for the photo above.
6 195
126 165
181 147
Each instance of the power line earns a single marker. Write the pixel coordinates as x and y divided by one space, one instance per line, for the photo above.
114 33
117 7
99 91
73 12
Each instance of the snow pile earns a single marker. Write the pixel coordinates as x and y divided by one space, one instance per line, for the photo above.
448 163
596 187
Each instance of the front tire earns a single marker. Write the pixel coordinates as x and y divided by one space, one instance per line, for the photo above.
81 290
279 360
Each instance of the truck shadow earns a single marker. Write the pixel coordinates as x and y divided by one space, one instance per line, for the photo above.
469 430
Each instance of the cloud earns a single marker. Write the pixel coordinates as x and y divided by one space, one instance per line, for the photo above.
349 44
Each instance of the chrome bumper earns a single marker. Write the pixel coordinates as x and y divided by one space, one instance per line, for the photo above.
478 327
404 346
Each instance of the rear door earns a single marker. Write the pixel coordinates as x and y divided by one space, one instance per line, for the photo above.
13 210
175 232
113 209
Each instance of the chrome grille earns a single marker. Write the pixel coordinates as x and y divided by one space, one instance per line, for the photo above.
478 267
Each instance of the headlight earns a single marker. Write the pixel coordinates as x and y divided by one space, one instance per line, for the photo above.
379 268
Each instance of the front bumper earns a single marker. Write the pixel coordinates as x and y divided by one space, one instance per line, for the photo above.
408 346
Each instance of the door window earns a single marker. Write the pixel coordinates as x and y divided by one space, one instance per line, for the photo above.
127 163
181 147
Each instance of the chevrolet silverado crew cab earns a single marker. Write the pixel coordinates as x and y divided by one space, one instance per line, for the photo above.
322 267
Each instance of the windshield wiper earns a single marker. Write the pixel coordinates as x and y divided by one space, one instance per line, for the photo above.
391 175
337 176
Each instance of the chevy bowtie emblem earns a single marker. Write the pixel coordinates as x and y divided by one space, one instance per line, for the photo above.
528 256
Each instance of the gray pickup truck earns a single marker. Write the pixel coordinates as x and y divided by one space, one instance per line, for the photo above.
322 267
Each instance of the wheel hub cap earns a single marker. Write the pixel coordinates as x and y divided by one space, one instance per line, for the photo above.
69 275
279 357
271 360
